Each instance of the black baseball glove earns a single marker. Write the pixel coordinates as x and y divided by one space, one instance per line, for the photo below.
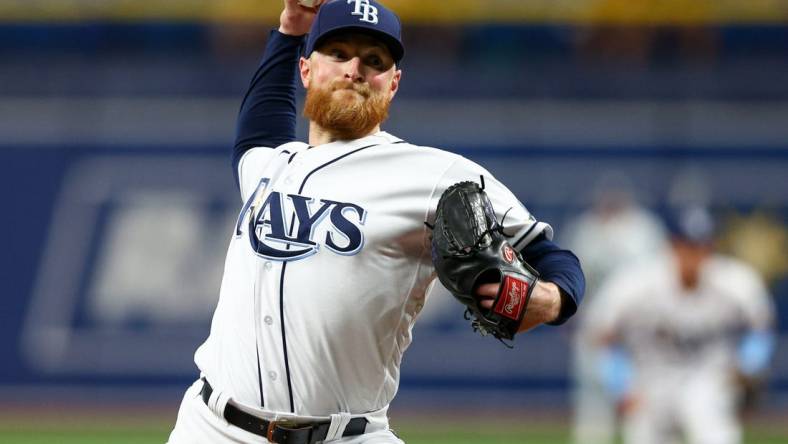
469 249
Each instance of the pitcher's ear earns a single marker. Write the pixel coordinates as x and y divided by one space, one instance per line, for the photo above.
305 69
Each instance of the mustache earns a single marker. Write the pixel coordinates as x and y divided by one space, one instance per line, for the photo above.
362 88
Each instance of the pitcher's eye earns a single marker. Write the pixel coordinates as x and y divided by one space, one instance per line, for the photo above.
375 61
338 53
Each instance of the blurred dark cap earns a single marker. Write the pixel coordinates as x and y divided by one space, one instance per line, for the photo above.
365 16
691 224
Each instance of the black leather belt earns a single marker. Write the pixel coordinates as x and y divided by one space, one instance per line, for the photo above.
282 432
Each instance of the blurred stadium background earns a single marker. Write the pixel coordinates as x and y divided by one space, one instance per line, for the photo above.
116 120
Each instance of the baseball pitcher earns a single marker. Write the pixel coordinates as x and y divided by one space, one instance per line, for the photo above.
338 239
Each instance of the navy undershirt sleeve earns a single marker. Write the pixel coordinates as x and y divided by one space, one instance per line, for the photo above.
268 111
560 267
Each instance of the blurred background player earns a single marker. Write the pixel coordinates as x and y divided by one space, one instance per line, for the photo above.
615 231
682 331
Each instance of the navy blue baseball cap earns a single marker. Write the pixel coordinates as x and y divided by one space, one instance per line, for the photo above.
366 16
693 224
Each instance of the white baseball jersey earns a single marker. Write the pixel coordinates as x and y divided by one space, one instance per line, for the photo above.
667 327
327 270
684 345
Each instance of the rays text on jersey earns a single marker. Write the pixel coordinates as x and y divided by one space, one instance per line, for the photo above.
312 222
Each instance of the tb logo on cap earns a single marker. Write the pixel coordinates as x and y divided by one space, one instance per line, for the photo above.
368 13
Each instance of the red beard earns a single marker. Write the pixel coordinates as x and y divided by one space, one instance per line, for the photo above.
350 114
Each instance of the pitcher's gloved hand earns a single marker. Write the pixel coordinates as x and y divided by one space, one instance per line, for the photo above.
469 249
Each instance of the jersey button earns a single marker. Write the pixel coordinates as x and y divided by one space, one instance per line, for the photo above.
268 320
268 265
272 375
288 180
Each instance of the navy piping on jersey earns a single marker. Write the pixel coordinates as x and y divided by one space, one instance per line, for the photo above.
284 336
284 267
282 313
303 184
259 372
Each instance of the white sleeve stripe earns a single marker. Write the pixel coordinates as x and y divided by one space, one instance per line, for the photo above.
533 231
524 236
